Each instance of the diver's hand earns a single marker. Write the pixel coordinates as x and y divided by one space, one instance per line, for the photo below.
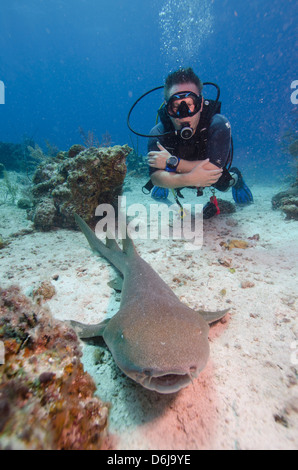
158 159
203 176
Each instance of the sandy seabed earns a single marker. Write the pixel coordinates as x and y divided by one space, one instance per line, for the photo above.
247 396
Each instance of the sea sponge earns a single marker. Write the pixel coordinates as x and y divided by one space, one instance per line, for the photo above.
75 150
44 214
24 203
290 208
226 207
47 401
231 244
46 290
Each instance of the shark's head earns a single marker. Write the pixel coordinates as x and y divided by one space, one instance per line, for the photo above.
165 357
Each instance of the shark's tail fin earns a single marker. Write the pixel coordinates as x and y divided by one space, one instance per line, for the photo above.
111 251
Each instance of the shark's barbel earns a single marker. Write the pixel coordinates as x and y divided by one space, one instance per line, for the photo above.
154 338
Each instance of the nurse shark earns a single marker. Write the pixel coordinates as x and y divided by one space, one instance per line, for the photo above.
154 338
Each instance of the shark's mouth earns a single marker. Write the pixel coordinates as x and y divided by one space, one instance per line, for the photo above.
167 383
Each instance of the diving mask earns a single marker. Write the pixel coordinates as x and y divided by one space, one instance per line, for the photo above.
183 104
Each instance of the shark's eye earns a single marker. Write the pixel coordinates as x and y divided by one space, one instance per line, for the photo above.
122 334
147 372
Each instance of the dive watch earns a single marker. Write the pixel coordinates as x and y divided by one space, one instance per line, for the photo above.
172 163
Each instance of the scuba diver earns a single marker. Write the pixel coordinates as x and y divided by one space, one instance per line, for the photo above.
191 146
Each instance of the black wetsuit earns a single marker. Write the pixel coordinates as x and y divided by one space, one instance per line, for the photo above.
212 140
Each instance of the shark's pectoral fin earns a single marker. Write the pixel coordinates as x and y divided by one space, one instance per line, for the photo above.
89 331
211 317
116 284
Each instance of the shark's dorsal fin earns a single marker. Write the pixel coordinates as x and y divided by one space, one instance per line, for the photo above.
116 283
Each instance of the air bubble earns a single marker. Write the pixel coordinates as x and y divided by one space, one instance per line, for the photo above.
183 27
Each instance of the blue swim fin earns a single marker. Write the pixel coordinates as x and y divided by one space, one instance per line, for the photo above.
241 192
159 193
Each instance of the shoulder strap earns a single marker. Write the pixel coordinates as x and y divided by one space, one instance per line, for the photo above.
210 108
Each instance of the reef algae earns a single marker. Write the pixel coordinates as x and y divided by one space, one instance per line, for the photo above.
76 181
46 399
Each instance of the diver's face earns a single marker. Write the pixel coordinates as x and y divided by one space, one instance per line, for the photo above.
193 121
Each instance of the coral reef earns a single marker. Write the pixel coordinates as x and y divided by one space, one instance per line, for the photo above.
287 201
24 157
36 153
16 157
293 148
46 399
8 189
136 163
15 188
91 140
76 181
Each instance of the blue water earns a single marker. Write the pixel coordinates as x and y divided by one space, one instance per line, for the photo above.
82 63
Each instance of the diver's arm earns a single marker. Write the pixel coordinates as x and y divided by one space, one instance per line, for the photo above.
164 179
158 159
203 174
185 166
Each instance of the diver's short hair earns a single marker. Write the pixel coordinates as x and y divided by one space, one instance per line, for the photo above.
186 75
